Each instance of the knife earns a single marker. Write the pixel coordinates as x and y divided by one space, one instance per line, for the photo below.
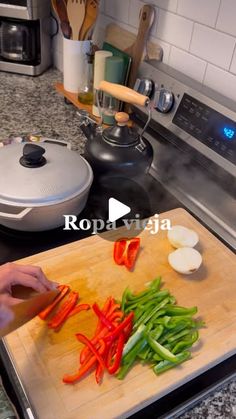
25 311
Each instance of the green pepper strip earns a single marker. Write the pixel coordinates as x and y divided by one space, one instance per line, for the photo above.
129 359
178 311
166 365
134 339
155 334
148 315
187 342
155 284
170 333
161 350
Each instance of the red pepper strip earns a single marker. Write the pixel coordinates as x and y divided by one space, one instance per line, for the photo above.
128 330
92 348
86 367
120 247
126 251
108 303
64 311
118 355
133 249
85 351
102 317
63 291
120 328
116 315
113 308
78 309
99 373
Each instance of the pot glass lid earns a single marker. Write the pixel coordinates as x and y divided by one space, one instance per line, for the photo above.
62 176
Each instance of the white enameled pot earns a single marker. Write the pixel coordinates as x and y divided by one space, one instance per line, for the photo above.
41 184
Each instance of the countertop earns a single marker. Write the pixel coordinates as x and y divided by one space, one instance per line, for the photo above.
32 105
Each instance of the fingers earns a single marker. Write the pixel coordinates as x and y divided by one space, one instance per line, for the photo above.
29 281
38 278
6 315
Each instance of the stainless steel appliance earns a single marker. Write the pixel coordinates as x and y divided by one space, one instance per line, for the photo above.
25 45
193 135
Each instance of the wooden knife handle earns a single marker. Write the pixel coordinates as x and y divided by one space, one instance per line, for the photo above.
123 93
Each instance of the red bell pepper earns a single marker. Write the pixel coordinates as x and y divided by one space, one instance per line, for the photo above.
113 367
92 348
102 317
84 369
63 291
78 309
126 251
64 311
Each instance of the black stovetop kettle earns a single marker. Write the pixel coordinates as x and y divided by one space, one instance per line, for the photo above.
118 149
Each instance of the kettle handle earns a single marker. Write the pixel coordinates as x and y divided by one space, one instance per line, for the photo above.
123 93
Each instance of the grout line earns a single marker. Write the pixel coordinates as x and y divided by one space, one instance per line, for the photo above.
217 16
204 75
234 52
191 38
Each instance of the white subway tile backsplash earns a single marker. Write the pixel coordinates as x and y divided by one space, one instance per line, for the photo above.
170 5
233 64
227 17
203 11
221 81
187 64
174 29
213 46
119 10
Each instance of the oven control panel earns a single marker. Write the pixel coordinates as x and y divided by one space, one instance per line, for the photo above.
208 126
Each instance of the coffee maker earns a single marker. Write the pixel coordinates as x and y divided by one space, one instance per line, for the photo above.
25 40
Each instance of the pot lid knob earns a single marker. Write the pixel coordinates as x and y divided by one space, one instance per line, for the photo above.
122 118
33 156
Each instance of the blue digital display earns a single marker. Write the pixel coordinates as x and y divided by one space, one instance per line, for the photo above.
228 133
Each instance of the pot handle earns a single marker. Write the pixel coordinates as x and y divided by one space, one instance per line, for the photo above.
123 93
15 217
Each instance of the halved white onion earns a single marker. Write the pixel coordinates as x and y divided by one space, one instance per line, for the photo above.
180 236
185 260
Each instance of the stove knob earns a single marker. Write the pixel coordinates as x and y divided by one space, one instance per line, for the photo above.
164 100
144 87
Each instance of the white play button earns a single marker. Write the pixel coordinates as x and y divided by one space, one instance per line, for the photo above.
117 209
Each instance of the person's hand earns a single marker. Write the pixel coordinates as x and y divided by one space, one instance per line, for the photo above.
6 315
26 275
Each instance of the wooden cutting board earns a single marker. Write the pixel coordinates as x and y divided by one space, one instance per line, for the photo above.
42 356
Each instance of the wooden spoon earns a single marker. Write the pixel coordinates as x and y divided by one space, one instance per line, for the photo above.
76 14
91 13
146 19
59 7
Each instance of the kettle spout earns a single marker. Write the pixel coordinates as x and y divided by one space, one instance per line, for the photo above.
89 130
87 124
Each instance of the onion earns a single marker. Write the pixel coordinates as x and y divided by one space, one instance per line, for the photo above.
185 260
180 236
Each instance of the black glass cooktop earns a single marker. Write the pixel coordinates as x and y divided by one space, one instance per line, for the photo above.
17 244
14 2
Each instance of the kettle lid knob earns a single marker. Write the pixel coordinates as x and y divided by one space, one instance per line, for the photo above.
122 118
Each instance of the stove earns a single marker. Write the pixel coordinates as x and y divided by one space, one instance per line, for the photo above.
193 135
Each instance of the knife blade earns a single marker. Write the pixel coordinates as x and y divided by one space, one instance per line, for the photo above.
28 309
